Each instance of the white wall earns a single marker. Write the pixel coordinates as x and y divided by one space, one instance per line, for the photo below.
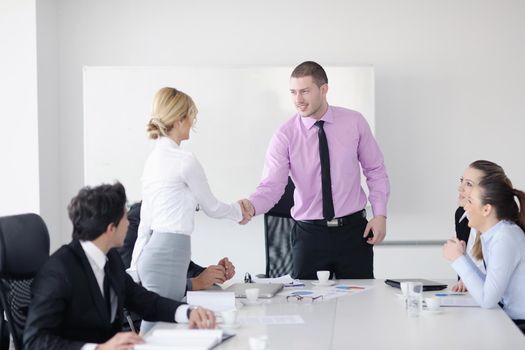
19 174
449 87
48 119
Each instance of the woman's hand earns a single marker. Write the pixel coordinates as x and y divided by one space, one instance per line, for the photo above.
453 249
459 287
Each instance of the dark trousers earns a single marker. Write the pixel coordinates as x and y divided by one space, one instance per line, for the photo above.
341 250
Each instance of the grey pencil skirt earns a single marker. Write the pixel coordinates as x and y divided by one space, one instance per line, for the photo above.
163 266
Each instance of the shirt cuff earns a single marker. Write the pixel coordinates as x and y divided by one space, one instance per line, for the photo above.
379 209
181 314
255 204
89 346
461 265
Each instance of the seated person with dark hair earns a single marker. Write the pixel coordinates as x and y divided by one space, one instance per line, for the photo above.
199 278
79 295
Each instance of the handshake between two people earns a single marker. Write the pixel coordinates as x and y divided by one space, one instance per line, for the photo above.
248 211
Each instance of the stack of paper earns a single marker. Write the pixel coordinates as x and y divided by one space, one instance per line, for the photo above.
181 339
216 301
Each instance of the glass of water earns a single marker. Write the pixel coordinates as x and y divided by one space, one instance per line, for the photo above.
414 298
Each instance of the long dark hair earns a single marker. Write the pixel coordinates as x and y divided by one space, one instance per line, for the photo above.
497 190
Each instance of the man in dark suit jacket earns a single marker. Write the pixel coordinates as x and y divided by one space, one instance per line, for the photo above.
199 278
79 295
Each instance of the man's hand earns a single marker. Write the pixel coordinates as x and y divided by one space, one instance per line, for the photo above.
202 318
229 268
453 249
248 211
207 278
121 341
378 226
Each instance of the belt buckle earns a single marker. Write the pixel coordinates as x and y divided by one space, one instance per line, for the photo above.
332 223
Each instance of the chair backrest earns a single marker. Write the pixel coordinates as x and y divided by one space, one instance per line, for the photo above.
278 225
24 248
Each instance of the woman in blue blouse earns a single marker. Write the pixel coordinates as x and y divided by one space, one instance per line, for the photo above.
492 209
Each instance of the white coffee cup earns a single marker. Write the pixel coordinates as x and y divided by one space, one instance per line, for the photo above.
323 276
433 304
229 316
252 294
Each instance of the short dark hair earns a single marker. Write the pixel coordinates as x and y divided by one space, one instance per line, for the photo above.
311 69
94 208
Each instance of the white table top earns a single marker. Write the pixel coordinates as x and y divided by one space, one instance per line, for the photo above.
375 319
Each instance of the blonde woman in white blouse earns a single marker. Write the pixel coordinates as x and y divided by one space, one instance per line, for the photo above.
173 184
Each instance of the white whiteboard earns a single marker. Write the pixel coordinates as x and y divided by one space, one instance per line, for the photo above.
239 110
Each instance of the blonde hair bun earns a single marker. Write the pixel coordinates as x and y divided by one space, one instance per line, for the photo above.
169 106
156 128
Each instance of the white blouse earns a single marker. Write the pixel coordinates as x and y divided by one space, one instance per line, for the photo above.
504 252
470 245
173 184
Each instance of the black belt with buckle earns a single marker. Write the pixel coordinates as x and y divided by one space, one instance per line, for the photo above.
351 219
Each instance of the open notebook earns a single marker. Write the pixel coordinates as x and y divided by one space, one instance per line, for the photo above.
187 339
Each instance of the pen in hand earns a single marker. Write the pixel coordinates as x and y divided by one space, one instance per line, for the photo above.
130 321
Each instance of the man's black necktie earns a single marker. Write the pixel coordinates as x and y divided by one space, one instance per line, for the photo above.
107 293
328 204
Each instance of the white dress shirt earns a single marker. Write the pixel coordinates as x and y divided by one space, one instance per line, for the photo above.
173 184
504 253
97 260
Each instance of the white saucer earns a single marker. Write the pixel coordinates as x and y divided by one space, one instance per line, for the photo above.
323 284
230 326
247 302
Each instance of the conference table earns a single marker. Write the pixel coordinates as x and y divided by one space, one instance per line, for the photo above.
372 319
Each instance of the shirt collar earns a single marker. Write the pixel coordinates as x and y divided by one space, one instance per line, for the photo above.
94 254
328 117
488 235
165 141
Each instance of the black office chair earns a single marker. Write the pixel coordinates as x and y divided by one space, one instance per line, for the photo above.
278 225
4 332
24 248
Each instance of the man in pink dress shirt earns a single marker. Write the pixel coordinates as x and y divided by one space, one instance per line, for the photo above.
322 148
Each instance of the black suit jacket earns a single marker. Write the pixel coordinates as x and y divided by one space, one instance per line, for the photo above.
131 236
462 229
68 310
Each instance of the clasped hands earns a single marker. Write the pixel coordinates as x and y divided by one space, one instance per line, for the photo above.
248 211
453 249
214 274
